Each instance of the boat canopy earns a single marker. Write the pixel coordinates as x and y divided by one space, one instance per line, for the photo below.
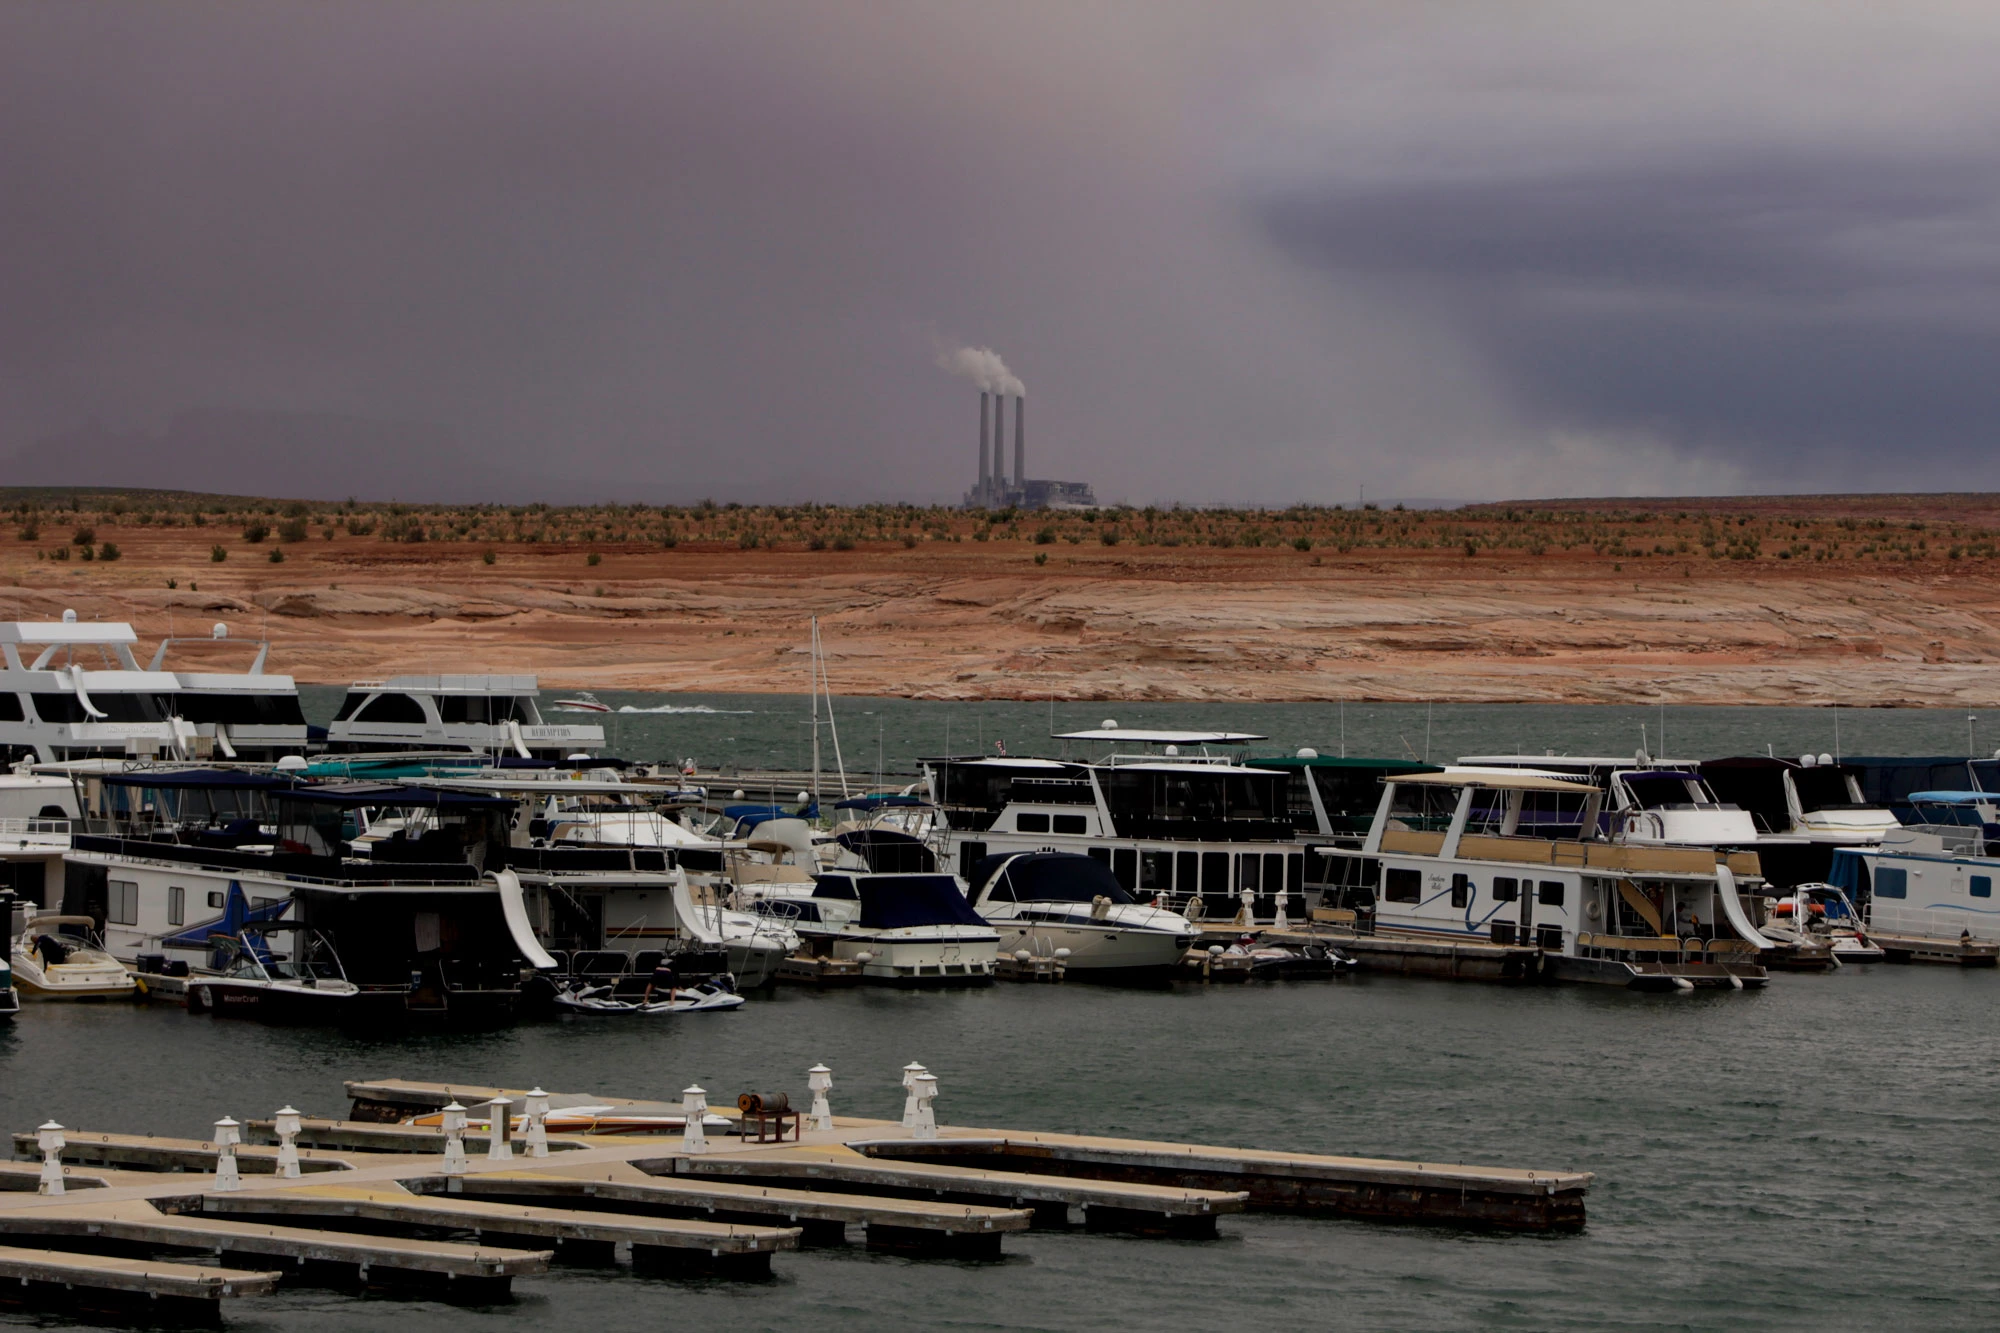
1330 761
1139 737
1495 780
359 795
889 852
891 902
1955 798
204 779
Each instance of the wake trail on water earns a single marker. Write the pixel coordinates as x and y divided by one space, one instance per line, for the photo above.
690 708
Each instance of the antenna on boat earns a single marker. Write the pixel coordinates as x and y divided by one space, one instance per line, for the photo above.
1343 728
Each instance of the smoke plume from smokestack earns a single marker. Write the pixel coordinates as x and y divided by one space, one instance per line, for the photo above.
983 366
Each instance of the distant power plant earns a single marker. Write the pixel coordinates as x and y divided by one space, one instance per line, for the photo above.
994 489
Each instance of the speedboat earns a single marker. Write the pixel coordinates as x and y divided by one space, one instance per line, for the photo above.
252 979
62 958
714 993
1050 901
904 929
583 701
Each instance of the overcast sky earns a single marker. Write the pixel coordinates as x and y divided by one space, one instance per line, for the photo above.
1246 252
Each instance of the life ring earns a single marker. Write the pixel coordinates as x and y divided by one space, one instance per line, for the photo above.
1593 909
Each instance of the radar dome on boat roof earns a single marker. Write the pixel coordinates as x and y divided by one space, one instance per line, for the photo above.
1109 723
1826 759
1307 752
292 763
220 631
69 616
1805 761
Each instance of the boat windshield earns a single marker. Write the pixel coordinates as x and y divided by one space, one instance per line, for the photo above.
1824 789
1056 878
1668 791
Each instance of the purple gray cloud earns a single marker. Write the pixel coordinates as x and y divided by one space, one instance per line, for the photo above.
1250 252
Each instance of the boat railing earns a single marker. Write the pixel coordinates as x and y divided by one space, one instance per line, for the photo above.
36 826
1954 839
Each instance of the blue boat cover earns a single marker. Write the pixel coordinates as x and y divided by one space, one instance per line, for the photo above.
1849 873
1955 797
890 902
879 802
211 779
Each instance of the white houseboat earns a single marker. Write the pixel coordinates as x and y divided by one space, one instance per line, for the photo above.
1476 858
1927 890
249 714
492 715
73 690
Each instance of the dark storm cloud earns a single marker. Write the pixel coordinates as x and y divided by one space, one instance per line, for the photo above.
1771 304
659 250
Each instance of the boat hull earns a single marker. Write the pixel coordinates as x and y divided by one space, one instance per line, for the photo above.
224 998
927 960
1098 953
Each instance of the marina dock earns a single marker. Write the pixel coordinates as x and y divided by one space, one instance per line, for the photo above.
392 1205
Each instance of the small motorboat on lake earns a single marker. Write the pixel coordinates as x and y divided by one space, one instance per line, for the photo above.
252 979
62 958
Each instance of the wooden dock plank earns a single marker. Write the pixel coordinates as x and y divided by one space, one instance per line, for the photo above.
348 1136
840 1164
171 1154
151 1277
138 1221
721 1196
396 1205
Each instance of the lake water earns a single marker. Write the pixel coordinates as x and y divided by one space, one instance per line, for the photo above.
1817 1155
1820 1154
767 731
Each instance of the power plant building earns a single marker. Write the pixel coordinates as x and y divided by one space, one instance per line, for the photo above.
995 488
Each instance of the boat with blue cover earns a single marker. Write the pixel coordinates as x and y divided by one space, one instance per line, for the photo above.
1928 889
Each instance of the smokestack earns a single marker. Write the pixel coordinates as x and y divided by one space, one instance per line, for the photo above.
1020 445
999 443
979 487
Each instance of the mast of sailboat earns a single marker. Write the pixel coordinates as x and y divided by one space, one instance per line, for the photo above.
812 680
833 729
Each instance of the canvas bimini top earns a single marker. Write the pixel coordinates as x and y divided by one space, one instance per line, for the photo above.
1141 737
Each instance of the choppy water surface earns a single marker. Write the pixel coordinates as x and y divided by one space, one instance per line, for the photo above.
1821 1154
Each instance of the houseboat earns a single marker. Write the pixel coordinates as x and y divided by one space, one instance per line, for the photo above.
1205 835
1482 858
1927 889
488 715
249 714
73 690
428 921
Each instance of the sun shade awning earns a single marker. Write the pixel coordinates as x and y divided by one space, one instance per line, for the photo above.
356 795
1139 737
1495 781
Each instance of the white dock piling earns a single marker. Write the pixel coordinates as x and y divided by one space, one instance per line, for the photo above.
924 1092
454 1139
499 1120
694 1108
49 1138
536 1111
286 1124
228 1133
819 1079
911 1073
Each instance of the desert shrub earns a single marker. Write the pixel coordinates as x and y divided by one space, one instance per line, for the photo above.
84 536
292 530
593 559
218 554
256 532
109 551
277 555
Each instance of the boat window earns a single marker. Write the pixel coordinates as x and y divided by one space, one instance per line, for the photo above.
1187 870
176 905
391 708
1214 873
353 701
1249 872
1101 855
122 903
116 707
240 709
1892 883
1295 872
215 900
1506 888
1402 886
1274 872
10 707
1156 870
970 854
1072 824
1461 890
1031 823
834 886
1982 886
1552 893
1125 865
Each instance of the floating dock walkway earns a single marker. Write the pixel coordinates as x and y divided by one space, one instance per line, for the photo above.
105 1223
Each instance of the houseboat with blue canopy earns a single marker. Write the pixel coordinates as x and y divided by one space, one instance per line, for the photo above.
1927 890
1515 861
427 917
